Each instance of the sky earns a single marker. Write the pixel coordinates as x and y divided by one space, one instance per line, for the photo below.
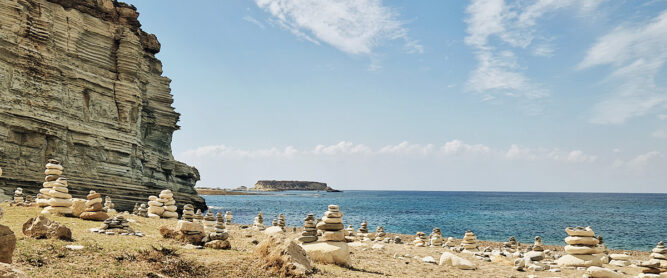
489 95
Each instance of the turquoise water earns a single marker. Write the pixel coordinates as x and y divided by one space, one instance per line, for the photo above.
626 221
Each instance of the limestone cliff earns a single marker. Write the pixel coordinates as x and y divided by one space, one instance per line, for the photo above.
272 185
79 82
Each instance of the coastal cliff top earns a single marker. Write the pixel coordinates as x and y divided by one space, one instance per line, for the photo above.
275 185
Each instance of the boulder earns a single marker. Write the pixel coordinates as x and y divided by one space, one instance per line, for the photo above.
283 257
7 271
187 226
330 252
273 230
7 244
41 227
218 244
78 206
600 272
449 259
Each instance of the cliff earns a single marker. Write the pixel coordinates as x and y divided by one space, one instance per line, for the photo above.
79 82
266 185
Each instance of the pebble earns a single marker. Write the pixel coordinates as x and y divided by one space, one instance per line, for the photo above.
74 247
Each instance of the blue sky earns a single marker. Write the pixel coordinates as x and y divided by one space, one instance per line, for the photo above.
431 95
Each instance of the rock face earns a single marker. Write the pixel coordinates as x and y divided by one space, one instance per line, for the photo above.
79 82
273 185
7 244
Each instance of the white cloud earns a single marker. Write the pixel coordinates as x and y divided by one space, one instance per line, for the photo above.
458 147
517 152
513 25
660 133
636 54
253 21
643 163
352 26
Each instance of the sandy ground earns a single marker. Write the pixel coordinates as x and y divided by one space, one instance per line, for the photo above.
127 256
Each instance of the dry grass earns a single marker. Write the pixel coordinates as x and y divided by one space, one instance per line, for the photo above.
154 256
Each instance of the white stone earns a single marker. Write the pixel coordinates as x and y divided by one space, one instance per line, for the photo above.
449 259
581 240
580 260
599 272
429 260
328 252
273 230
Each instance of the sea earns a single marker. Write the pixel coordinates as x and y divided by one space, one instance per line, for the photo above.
626 221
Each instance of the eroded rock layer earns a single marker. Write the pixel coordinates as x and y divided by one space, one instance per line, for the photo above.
79 82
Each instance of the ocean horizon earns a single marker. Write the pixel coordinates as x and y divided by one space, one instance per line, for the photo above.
631 221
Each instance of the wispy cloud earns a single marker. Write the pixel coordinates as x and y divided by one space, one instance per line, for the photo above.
636 54
254 21
496 30
352 26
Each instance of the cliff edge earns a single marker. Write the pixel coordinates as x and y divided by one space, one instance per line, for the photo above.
273 185
79 83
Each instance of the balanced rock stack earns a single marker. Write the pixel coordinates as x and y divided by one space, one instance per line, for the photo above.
379 233
155 208
363 229
218 238
436 237
60 202
510 245
189 230
450 242
620 259
350 233
108 205
537 244
581 249
420 239
333 248
469 241
142 210
309 233
657 265
660 253
18 195
199 218
228 217
274 222
258 223
117 226
169 204
94 210
53 171
188 213
332 224
281 221
209 222
135 210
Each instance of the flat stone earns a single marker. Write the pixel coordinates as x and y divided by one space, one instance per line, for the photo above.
599 272
329 220
328 252
569 260
582 232
333 236
581 250
572 240
329 227
94 216
449 259
186 226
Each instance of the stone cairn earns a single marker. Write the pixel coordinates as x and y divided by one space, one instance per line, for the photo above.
135 210
108 205
469 241
53 171
510 245
60 202
379 233
218 238
281 221
620 259
537 244
436 237
332 225
117 226
363 228
142 210
199 218
581 249
162 207
309 233
274 222
94 210
18 195
657 265
188 213
398 240
350 234
420 239
209 222
228 217
258 223
450 242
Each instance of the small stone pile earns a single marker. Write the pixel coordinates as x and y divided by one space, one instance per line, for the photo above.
18 195
199 218
657 265
135 210
332 224
620 259
350 233
274 222
117 226
469 241
581 249
228 217
108 205
188 213
450 242
218 238
189 232
281 221
209 222
420 239
363 229
258 223
659 252
60 202
53 171
162 207
510 245
94 210
537 244
309 233
379 233
436 237
142 210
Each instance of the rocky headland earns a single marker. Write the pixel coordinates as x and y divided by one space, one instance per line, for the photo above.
79 82
273 185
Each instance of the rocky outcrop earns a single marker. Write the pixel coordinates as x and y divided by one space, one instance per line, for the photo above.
79 83
272 185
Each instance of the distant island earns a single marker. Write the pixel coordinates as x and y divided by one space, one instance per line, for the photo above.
273 185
